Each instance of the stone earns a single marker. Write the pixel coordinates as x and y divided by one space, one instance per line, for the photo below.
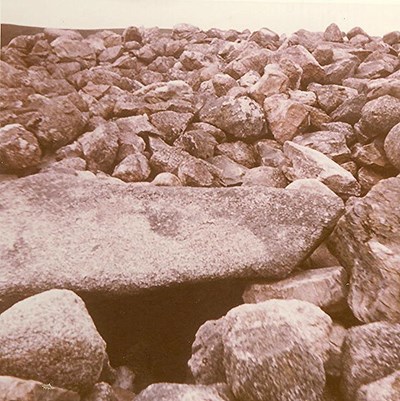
69 49
100 147
181 223
330 143
304 97
230 172
134 168
337 72
183 392
218 134
269 153
136 125
197 173
276 350
110 54
286 118
333 34
366 241
125 378
380 87
101 392
19 148
242 118
223 83
238 151
386 389
368 178
166 180
14 389
344 128
304 162
70 164
325 288
330 97
370 353
371 155
334 365
264 175
198 143
206 362
264 37
273 81
392 146
63 347
380 115
350 110
321 257
392 37
132 34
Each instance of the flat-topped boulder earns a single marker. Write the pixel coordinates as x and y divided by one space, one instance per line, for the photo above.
100 235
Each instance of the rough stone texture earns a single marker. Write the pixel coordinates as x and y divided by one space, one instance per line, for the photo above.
242 117
239 152
198 143
269 153
197 173
276 350
170 124
14 389
392 146
325 288
370 352
305 162
134 168
206 362
166 180
366 240
51 338
264 175
380 115
19 148
333 365
182 225
230 172
386 389
185 392
286 118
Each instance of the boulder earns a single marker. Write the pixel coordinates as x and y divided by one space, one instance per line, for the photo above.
275 350
51 338
15 389
198 143
269 153
366 241
185 392
334 364
392 146
170 124
230 172
134 168
350 110
370 352
238 151
197 173
183 225
264 175
333 34
19 148
386 389
304 162
242 118
326 288
166 180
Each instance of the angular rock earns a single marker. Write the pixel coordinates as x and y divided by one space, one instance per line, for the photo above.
371 155
368 178
230 172
223 83
183 392
276 350
366 241
239 152
336 72
305 162
344 128
264 175
386 389
134 168
392 146
100 147
269 153
63 347
170 124
14 389
176 222
218 134
330 143
350 110
19 148
334 365
370 353
286 118
198 143
242 117
333 34
380 115
206 362
325 288
197 173
69 49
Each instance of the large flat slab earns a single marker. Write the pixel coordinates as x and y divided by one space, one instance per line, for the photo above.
102 236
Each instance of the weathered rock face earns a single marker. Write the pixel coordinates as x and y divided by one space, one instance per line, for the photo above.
177 223
325 288
386 389
370 353
276 350
367 241
51 338
183 392
392 146
12 388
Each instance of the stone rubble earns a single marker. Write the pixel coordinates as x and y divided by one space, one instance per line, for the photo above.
148 160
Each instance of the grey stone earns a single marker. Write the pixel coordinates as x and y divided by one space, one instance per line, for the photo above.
366 241
19 148
325 288
370 353
15 389
181 224
305 162
51 338
183 392
392 146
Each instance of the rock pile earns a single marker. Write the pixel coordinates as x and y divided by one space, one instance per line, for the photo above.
303 129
